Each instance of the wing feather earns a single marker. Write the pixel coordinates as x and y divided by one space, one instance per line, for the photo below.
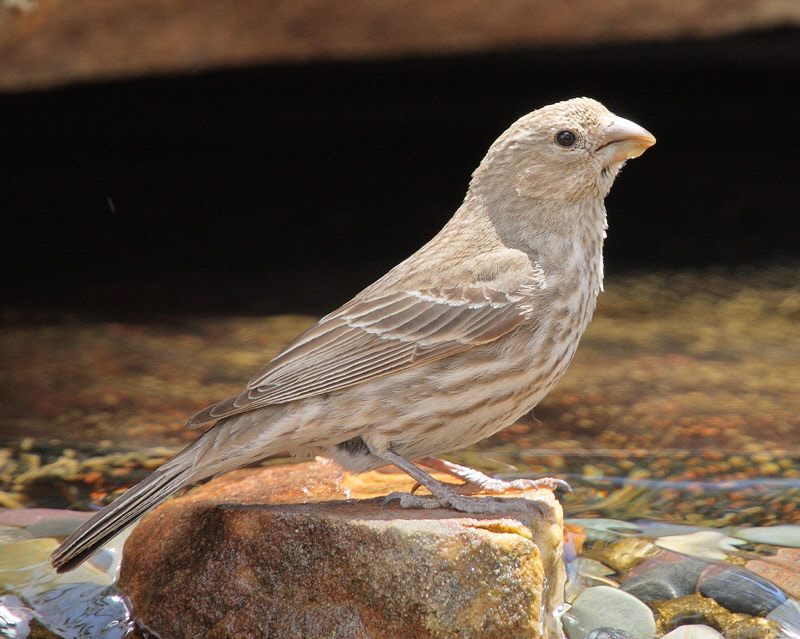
370 338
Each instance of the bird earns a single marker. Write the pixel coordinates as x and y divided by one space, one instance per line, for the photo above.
455 343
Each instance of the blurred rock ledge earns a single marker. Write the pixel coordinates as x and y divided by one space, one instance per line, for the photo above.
46 43
304 551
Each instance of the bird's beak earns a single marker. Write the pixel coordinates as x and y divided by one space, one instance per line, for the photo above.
623 140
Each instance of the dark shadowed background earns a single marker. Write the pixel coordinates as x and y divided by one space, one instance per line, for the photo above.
289 186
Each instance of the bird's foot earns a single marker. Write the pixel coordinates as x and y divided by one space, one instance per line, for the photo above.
476 481
464 504
447 496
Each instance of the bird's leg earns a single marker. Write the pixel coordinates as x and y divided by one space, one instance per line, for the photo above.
476 481
445 497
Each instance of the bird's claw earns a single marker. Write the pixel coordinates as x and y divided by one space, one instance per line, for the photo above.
500 486
475 481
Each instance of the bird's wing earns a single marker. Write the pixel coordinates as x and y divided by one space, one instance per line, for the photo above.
369 338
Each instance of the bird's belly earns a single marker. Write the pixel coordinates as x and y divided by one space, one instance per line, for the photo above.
463 399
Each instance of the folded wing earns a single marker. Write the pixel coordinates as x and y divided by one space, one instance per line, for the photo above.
370 338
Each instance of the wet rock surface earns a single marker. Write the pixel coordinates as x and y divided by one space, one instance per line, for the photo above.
697 609
732 601
86 603
608 607
782 569
740 590
665 582
234 558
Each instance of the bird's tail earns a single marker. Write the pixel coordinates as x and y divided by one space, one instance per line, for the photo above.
231 443
135 503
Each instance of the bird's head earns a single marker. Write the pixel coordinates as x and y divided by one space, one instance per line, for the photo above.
569 152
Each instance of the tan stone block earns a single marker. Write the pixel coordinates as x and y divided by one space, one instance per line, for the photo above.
229 560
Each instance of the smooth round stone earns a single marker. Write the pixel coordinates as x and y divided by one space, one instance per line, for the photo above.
609 633
603 528
740 590
783 535
668 581
706 544
104 559
56 527
662 529
10 534
656 561
607 607
694 631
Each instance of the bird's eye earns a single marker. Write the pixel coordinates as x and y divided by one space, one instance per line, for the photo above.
566 138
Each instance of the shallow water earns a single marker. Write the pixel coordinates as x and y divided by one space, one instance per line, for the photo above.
682 406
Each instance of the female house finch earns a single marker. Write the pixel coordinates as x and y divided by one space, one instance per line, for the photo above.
450 346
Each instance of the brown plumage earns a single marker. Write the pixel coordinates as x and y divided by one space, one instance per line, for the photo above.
453 344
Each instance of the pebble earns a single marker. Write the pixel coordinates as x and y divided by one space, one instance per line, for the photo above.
25 569
705 544
694 631
782 569
702 610
105 559
662 558
10 534
28 516
25 553
740 590
782 535
663 529
623 554
607 607
603 528
667 581
55 527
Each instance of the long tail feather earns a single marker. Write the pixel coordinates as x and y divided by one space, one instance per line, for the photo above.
110 521
230 443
